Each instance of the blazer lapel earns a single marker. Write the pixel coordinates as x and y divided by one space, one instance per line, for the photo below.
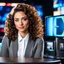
15 47
28 48
28 51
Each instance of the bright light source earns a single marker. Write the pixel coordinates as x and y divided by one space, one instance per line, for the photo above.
14 4
8 4
2 4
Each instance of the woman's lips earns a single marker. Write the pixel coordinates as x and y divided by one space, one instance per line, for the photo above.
21 27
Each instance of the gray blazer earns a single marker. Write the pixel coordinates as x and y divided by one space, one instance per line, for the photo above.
34 48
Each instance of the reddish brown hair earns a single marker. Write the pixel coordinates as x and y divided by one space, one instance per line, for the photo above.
35 22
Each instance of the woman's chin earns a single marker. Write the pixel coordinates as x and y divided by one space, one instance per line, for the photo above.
22 30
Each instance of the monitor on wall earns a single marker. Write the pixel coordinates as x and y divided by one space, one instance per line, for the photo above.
50 51
54 26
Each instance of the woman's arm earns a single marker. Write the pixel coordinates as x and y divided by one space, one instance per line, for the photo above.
39 48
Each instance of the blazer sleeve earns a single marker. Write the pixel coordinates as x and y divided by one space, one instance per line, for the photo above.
4 49
39 48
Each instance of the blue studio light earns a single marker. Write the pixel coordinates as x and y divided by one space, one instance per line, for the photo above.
2 26
39 10
4 17
8 9
1 8
40 13
0 18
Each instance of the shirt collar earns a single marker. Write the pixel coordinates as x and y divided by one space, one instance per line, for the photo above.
26 38
20 37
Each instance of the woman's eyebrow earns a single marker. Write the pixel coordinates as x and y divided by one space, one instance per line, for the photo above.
25 17
22 17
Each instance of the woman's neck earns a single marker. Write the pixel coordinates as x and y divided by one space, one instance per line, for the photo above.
23 34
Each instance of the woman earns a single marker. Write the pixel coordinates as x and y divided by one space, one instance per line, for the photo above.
24 33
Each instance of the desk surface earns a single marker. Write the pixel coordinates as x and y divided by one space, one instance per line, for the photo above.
27 60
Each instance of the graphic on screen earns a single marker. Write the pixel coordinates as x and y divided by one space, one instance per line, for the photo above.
50 46
54 26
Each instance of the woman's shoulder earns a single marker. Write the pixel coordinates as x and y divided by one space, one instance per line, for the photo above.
39 39
5 38
39 42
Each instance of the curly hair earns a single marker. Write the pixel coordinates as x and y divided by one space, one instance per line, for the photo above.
35 22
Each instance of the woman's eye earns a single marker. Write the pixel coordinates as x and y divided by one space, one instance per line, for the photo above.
25 19
16 20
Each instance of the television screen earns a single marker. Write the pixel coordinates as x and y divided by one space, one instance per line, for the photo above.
54 26
49 49
50 46
57 3
62 9
61 46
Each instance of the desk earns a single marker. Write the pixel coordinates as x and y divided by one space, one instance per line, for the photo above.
29 60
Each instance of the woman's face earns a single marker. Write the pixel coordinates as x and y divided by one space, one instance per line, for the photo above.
21 21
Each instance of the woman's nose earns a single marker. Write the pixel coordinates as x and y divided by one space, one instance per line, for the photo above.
21 23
